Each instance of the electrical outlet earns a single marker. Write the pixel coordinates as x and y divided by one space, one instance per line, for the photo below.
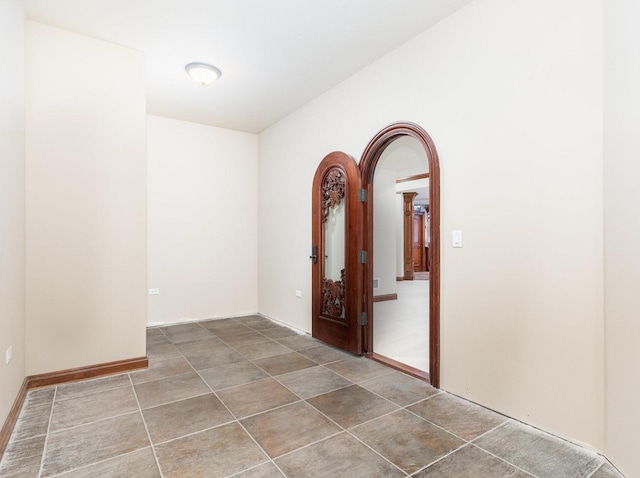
154 291
9 354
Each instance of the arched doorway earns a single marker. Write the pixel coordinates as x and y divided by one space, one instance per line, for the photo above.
367 166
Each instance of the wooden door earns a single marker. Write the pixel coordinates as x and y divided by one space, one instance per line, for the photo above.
337 298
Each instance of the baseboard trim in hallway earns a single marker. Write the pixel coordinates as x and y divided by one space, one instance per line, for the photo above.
63 376
12 418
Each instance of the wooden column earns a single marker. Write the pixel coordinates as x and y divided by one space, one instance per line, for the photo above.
408 234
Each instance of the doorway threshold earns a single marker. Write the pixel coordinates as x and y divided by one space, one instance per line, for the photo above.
408 369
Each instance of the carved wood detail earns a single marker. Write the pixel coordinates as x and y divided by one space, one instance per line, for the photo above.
333 188
333 296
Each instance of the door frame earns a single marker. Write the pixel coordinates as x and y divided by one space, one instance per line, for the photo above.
367 167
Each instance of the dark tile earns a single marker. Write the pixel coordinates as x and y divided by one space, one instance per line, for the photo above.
224 328
262 349
406 440
75 447
352 406
177 419
200 347
256 322
284 363
186 333
462 418
171 389
268 470
89 408
156 337
537 452
230 375
338 456
32 421
323 354
162 369
278 332
22 458
162 352
75 389
471 462
244 338
139 464
25 467
209 353
400 388
358 369
288 428
606 471
312 381
42 396
256 397
299 342
218 452
212 324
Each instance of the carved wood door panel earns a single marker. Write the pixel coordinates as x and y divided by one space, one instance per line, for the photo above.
337 238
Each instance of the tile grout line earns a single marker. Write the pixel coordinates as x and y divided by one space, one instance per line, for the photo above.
241 426
46 437
348 431
146 428
451 452
344 430
301 400
597 468
88 465
505 461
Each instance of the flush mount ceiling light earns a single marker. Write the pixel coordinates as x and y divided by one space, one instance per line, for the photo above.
203 73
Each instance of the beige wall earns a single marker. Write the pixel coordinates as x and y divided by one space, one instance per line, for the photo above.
511 93
85 213
12 255
622 232
202 221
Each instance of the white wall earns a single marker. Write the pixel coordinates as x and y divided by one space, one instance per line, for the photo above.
12 252
384 230
622 231
202 233
511 93
85 212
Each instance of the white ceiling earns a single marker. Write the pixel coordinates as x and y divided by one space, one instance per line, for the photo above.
275 55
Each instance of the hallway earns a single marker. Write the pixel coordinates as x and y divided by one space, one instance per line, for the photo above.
249 398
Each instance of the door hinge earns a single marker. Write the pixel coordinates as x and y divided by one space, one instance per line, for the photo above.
363 195
362 318
363 257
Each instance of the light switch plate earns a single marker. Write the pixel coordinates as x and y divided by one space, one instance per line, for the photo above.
457 238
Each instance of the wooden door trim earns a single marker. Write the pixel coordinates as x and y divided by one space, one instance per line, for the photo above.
367 166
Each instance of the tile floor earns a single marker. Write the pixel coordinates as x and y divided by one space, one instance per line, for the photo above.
248 398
